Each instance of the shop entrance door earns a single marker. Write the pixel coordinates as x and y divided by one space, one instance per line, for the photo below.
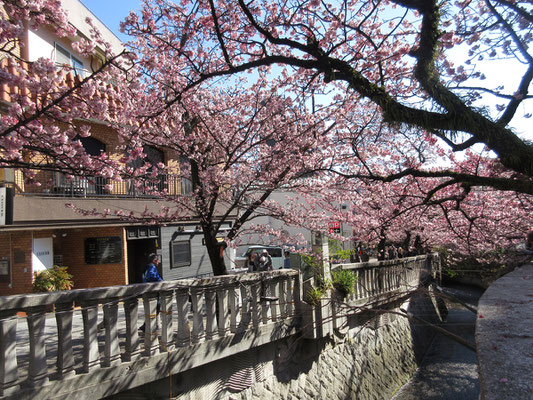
138 252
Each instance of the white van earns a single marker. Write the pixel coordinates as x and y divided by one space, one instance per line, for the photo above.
275 252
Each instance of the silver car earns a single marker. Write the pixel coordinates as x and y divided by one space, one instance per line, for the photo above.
275 252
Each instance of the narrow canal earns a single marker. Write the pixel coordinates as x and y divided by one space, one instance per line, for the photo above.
449 370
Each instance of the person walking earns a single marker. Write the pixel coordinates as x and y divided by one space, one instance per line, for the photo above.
287 260
151 274
250 262
264 261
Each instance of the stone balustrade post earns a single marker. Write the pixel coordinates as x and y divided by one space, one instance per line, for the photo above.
283 283
91 354
265 305
111 346
210 311
297 293
65 355
373 281
167 303
274 304
223 310
246 307
198 333
357 293
132 346
151 340
234 308
183 337
38 370
254 302
8 353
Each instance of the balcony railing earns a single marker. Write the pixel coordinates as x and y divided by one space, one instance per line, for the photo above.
58 184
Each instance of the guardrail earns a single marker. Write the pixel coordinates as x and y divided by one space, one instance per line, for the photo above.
57 184
192 311
74 338
376 278
378 283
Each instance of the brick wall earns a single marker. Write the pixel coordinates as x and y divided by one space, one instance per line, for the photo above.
72 248
17 248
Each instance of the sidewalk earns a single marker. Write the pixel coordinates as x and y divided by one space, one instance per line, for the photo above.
504 337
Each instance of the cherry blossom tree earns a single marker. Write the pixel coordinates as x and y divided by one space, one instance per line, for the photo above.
45 104
417 126
239 144
257 95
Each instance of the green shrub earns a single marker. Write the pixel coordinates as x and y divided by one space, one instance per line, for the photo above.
51 280
344 281
314 295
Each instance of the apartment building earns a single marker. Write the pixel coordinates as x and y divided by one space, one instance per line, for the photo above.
38 231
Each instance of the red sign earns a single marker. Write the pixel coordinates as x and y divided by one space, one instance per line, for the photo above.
334 227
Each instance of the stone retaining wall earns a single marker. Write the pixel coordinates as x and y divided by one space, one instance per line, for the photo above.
377 355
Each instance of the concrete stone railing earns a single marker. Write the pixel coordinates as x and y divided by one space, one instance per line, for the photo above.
378 283
87 344
192 312
377 278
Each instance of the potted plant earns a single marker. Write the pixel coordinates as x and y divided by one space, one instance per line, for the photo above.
343 281
52 279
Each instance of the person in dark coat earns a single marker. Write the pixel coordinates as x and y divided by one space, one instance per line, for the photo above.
151 274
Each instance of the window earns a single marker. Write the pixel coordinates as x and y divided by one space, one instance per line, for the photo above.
83 185
63 56
185 169
153 157
5 270
180 252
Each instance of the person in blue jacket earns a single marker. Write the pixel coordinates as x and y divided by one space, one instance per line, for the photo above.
152 275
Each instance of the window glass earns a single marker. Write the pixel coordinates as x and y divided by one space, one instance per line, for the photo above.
274 252
78 66
186 183
181 253
63 56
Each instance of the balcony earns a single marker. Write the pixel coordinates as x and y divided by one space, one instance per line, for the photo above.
58 184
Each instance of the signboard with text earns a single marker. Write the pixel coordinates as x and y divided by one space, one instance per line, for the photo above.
43 254
334 227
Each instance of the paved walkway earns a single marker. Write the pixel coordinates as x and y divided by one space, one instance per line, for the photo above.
23 347
449 370
504 335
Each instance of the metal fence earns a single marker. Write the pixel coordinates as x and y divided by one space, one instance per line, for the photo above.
53 183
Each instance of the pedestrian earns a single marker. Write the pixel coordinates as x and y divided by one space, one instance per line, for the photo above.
151 274
264 261
400 252
250 262
287 260
526 247
529 244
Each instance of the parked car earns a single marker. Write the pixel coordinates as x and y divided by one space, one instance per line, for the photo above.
275 252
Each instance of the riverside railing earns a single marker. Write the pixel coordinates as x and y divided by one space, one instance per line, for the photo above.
66 336
377 278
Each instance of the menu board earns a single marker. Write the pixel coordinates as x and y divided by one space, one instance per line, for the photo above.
103 250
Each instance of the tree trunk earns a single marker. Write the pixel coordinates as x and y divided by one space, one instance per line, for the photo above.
215 251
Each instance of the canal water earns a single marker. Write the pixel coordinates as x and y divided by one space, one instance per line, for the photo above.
449 370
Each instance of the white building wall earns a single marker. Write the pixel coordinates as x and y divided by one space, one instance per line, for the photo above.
41 41
78 13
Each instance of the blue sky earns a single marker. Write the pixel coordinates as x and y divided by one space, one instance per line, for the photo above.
112 12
